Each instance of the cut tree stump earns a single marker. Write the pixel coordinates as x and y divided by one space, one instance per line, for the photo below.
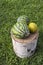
25 47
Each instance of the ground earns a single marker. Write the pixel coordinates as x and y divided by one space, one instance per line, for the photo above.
10 10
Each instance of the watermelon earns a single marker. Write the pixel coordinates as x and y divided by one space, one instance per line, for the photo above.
23 18
20 30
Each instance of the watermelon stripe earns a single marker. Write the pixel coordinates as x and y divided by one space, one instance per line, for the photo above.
20 25
17 34
17 30
14 31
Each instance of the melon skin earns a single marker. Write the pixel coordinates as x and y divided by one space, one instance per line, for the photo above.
23 18
20 30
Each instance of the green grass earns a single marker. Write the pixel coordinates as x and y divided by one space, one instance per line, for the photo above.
10 10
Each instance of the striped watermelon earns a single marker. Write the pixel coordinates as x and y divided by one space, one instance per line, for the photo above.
23 18
20 30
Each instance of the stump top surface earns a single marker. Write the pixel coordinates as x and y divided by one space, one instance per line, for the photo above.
30 38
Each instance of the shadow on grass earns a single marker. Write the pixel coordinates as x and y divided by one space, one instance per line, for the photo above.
40 43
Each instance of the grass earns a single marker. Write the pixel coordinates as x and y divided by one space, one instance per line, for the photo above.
10 10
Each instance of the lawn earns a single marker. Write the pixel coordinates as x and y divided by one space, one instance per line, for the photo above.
10 10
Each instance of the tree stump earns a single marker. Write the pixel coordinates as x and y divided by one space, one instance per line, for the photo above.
25 47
